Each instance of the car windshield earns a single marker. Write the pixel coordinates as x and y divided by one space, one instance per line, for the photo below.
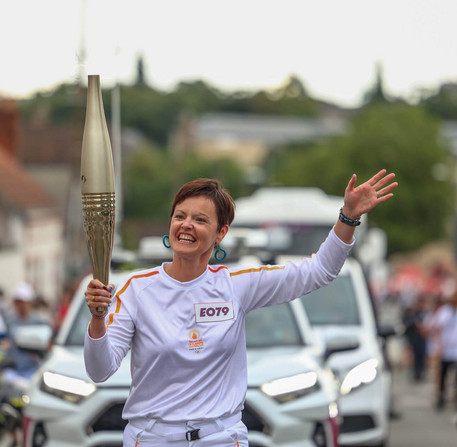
272 326
79 328
265 327
302 238
306 239
333 304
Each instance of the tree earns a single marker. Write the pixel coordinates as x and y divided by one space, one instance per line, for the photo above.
150 111
147 181
140 79
443 104
152 176
400 138
376 93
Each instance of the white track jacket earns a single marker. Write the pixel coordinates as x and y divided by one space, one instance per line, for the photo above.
187 340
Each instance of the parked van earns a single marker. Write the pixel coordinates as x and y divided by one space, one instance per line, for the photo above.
295 221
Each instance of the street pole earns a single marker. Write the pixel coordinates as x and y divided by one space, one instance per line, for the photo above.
117 158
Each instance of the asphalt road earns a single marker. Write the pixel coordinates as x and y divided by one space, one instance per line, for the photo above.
418 423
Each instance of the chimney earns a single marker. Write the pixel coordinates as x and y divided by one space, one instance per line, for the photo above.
9 127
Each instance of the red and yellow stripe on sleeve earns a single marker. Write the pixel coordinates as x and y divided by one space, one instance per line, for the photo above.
126 285
258 269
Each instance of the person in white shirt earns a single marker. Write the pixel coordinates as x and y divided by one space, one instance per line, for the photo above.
445 323
184 320
434 345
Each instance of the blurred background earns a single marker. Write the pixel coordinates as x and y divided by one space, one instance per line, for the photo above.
284 94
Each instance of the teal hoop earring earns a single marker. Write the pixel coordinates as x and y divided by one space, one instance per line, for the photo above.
219 257
166 241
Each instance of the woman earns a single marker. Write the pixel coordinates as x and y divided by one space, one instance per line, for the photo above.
184 321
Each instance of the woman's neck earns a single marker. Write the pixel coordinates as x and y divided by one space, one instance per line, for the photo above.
184 270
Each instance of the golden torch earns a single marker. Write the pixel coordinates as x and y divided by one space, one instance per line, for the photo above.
97 184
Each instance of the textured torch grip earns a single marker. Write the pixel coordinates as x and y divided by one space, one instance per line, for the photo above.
98 220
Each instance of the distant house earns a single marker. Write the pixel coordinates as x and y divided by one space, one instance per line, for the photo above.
448 132
31 236
248 138
51 155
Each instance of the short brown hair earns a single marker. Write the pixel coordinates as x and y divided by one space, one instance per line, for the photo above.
213 190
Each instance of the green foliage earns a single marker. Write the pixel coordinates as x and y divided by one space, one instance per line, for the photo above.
443 104
147 184
150 111
399 138
152 177
63 105
155 113
289 99
226 170
196 97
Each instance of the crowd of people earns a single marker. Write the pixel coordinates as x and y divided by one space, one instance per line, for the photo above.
429 316
26 306
23 308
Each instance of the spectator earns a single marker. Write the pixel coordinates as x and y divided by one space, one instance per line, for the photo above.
446 324
19 365
412 321
42 308
3 328
434 345
22 364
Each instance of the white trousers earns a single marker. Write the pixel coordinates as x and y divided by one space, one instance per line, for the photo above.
234 436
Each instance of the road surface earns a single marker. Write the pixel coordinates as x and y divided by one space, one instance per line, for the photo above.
417 422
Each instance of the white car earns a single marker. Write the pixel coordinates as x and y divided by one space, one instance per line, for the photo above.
291 400
344 307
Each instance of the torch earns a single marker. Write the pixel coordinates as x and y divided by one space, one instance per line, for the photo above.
97 184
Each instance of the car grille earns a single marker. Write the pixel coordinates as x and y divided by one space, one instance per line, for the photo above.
39 436
319 435
253 421
355 423
110 419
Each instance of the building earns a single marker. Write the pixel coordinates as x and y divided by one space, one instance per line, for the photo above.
248 138
31 236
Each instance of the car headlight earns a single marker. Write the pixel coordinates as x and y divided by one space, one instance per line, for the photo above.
67 388
361 374
290 388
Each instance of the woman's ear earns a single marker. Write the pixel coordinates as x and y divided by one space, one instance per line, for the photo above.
222 232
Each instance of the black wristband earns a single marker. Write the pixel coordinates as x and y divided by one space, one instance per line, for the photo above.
347 221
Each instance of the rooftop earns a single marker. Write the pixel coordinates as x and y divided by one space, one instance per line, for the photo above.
18 190
268 129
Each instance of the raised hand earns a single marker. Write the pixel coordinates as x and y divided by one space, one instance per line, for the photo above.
363 198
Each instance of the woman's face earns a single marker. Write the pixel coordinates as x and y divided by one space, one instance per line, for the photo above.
193 227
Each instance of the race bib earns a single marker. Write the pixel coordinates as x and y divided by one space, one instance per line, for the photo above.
213 312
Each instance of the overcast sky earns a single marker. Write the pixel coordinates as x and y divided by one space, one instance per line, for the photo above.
333 46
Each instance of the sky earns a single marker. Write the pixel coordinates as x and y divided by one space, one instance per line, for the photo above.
333 46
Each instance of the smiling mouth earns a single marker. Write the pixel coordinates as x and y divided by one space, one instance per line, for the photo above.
186 238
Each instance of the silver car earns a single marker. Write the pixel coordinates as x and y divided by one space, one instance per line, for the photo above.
291 399
343 308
